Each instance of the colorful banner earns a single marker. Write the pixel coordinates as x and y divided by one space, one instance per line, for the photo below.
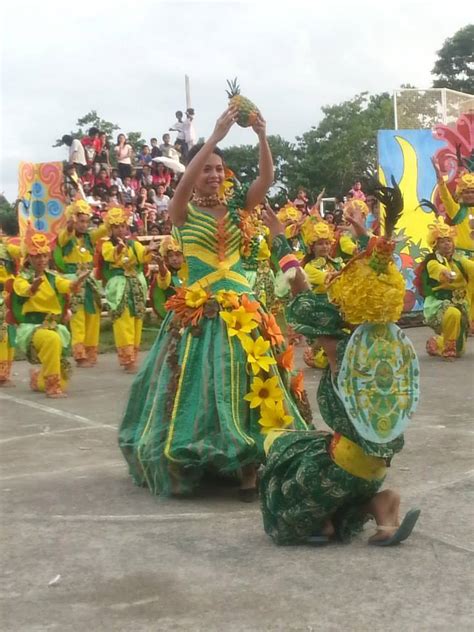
41 196
406 155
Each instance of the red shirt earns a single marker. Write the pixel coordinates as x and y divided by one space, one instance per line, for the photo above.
92 146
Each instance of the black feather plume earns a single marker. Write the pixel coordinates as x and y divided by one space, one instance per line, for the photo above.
392 199
429 205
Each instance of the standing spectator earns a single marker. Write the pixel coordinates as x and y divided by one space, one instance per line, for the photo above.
72 185
155 150
301 196
357 192
123 151
372 221
167 149
92 145
189 131
144 157
77 155
102 159
116 180
161 175
161 200
178 126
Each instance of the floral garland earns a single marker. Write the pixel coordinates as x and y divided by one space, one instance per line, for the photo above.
265 352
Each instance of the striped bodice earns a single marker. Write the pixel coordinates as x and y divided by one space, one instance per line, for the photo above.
211 247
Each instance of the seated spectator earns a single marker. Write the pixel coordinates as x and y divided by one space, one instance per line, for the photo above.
102 157
72 185
92 145
134 181
167 148
103 179
146 179
155 150
161 175
116 180
154 230
114 196
162 201
128 192
88 180
165 225
77 155
124 153
144 157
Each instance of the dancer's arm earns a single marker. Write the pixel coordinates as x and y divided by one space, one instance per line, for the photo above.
259 188
178 207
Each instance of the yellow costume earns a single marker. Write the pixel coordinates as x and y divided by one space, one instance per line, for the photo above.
446 284
9 256
40 335
74 254
126 290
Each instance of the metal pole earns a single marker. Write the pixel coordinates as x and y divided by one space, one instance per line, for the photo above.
395 113
444 105
188 91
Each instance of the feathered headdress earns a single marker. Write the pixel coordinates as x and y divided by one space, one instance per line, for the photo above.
314 231
466 181
36 243
289 213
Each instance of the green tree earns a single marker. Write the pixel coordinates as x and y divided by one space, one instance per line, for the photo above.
417 109
454 67
8 217
343 147
91 119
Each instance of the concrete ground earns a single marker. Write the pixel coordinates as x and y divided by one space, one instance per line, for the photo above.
125 560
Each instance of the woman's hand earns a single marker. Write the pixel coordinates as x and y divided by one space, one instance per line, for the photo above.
436 168
260 126
272 222
224 123
37 281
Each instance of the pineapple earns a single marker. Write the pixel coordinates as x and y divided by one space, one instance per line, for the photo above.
247 110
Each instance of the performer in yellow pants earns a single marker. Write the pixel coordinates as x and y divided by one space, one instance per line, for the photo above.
74 254
446 284
9 258
126 288
38 303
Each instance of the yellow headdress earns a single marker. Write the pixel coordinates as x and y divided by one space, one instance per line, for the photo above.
289 213
466 181
78 207
439 230
356 205
116 215
314 231
167 244
35 242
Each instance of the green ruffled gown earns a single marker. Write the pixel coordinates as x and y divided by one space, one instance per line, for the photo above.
301 486
186 412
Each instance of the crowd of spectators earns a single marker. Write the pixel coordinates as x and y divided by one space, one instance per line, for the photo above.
106 173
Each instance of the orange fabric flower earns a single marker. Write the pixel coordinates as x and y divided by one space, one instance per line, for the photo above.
251 307
272 330
286 359
297 385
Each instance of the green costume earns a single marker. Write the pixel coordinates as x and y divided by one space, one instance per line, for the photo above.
302 485
186 412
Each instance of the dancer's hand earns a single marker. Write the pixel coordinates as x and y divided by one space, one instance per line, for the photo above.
436 168
260 126
71 224
224 123
37 281
272 222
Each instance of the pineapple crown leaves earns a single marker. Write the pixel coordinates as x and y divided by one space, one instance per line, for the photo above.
234 88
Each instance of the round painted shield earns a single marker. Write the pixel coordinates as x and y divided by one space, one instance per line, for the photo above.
379 381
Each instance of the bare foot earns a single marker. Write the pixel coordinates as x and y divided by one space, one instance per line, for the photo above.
60 395
385 507
7 384
328 529
249 477
84 364
131 368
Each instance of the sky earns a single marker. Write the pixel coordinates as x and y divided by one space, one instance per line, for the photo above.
127 60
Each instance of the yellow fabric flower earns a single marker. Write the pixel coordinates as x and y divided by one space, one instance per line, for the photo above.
228 298
238 322
195 298
256 351
265 393
273 418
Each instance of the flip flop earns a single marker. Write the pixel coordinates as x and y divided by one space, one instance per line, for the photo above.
403 531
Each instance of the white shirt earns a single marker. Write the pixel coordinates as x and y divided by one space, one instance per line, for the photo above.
169 151
77 153
178 127
189 133
162 203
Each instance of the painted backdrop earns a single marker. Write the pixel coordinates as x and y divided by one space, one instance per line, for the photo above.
41 195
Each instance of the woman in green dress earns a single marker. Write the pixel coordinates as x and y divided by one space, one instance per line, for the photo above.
219 372
318 486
